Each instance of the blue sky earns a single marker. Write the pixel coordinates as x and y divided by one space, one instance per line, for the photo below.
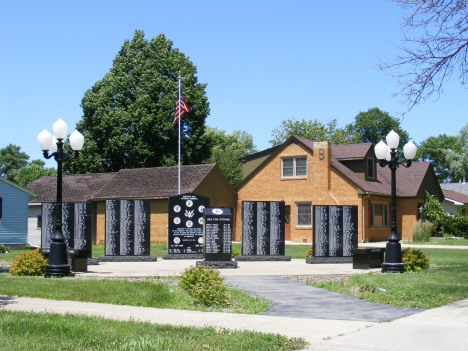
263 61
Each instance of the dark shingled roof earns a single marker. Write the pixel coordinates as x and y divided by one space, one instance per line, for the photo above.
151 183
458 187
351 151
75 188
453 195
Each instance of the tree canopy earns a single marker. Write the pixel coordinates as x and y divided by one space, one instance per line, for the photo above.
433 50
312 129
14 166
458 157
374 125
11 158
227 149
128 115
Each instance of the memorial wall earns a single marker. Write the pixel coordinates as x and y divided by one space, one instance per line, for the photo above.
127 228
263 228
335 230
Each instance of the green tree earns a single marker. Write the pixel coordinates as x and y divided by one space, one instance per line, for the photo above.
435 150
457 157
227 149
128 115
434 213
32 171
374 125
11 158
435 48
312 129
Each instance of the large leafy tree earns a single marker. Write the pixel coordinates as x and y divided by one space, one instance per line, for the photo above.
227 149
312 129
434 149
128 115
458 157
32 171
434 48
11 158
374 125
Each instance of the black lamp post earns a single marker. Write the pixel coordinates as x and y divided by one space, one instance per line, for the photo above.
387 156
58 257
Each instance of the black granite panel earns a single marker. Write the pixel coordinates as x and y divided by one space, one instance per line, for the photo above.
217 230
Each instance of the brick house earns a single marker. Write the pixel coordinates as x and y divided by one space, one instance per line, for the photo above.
156 184
303 173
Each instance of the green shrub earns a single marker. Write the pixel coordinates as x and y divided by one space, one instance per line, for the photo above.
456 226
204 285
234 252
434 213
3 249
422 232
414 260
310 252
28 263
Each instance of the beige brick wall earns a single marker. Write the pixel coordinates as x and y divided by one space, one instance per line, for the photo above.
322 186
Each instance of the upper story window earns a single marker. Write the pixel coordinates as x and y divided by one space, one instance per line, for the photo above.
292 167
370 168
379 214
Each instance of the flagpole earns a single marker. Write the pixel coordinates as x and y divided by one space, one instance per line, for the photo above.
179 127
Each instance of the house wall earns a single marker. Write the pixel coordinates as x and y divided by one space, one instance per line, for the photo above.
34 233
322 186
407 214
14 221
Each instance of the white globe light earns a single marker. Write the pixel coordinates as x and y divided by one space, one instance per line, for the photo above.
76 140
393 139
409 150
60 129
389 155
381 150
54 144
44 139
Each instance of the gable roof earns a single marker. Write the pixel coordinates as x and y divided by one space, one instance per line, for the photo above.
13 184
455 196
153 183
75 188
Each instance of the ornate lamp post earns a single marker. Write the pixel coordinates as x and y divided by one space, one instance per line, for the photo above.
387 156
58 257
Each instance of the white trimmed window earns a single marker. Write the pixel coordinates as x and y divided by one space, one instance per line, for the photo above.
304 214
379 214
294 167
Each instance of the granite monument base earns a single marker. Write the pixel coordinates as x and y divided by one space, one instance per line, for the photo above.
127 258
314 260
251 258
368 258
218 264
93 261
182 257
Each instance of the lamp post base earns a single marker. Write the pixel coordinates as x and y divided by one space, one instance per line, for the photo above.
393 267
58 261
57 271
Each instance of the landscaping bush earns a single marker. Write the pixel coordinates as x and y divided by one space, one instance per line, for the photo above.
422 232
28 263
434 213
456 226
3 249
414 260
204 285
234 252
310 252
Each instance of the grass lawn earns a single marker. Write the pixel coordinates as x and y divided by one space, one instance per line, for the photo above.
147 293
427 289
449 242
41 331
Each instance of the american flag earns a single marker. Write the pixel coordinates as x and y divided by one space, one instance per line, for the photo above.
182 105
